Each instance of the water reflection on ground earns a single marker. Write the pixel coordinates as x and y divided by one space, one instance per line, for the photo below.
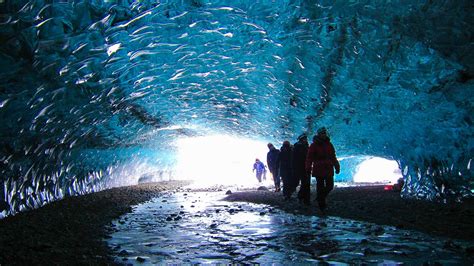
198 227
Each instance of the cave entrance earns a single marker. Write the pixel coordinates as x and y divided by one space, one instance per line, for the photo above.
219 160
377 170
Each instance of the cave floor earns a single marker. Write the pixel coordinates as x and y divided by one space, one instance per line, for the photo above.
135 224
209 227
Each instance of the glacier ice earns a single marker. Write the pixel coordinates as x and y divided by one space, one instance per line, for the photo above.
88 87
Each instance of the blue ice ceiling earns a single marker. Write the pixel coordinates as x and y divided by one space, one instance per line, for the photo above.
88 87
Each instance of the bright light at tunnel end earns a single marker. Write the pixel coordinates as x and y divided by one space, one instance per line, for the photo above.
377 170
218 159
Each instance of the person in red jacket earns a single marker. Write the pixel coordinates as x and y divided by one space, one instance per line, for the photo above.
320 162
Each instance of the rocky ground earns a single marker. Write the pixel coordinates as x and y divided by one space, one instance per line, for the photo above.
72 231
374 204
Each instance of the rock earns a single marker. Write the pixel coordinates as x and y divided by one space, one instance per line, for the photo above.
123 253
470 250
379 230
140 259
448 244
228 192
262 213
368 251
262 188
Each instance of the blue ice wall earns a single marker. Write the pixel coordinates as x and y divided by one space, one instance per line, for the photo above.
89 86
350 165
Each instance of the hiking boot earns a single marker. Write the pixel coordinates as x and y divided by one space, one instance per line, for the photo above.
323 211
322 204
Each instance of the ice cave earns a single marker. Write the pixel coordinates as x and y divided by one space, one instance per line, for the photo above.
102 94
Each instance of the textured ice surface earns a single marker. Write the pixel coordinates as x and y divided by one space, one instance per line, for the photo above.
92 91
199 227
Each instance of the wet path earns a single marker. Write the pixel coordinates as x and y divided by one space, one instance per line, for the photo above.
198 227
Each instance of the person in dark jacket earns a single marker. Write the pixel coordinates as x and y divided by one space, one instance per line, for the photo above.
285 165
300 149
260 168
272 157
321 161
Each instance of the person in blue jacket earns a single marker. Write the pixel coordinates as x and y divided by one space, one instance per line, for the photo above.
259 167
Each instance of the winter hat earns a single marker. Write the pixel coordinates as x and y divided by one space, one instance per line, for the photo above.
322 130
302 136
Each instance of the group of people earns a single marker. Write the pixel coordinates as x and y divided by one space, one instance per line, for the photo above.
295 164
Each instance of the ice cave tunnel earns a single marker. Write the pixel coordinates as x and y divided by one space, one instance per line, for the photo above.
95 94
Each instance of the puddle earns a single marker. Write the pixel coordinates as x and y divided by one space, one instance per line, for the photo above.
200 228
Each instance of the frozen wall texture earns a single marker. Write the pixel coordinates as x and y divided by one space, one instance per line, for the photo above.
88 87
